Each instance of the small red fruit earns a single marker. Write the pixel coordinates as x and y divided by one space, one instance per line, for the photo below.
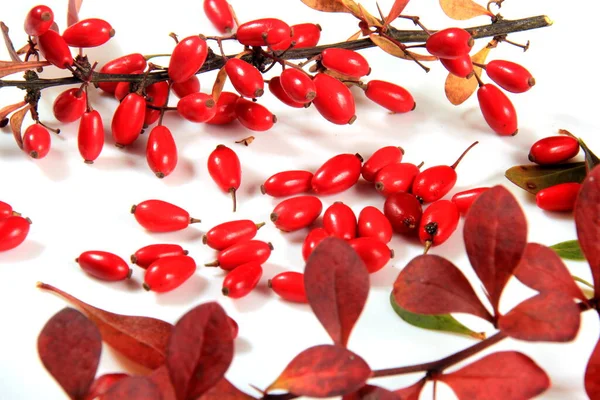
225 169
346 62
145 256
296 213
70 105
242 253
334 100
128 64
156 95
289 286
6 210
122 90
298 85
304 35
381 158
55 50
184 88
388 95
239 282
160 216
553 150
559 197
168 273
161 151
13 231
372 223
396 178
438 223
450 43
461 66
312 240
128 120
225 109
337 174
90 137
101 385
374 253
404 212
36 141
254 116
88 33
104 265
464 200
277 90
38 20
287 183
245 78
510 76
263 32
219 14
187 58
497 109
229 233
340 221
197 107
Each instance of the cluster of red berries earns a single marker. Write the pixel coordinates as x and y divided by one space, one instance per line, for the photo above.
13 227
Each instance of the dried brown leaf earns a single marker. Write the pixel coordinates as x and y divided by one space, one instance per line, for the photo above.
246 141
458 90
73 12
4 111
219 84
326 5
463 9
16 121
9 44
366 16
354 37
392 48
11 67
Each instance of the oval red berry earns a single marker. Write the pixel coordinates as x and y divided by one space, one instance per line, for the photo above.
90 136
168 273
160 216
13 231
254 116
334 100
289 286
381 158
553 150
90 32
312 240
104 265
287 183
346 62
497 109
38 20
70 105
187 58
559 197
296 213
242 253
373 223
36 141
240 282
340 221
229 233
337 174
145 256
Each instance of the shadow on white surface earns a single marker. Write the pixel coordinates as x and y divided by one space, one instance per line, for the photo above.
190 234
242 345
28 250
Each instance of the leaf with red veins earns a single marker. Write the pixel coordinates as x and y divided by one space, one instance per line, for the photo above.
224 390
161 378
397 8
133 388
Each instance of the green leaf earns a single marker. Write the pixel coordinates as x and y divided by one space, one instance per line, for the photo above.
534 178
569 250
591 160
444 322
580 280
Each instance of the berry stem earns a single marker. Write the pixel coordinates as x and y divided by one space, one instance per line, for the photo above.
234 198
453 166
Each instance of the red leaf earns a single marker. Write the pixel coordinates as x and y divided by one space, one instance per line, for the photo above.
592 374
587 220
412 392
200 350
69 346
73 12
430 284
397 8
498 376
133 388
337 286
161 378
495 236
542 269
323 371
549 316
140 339
224 390
370 392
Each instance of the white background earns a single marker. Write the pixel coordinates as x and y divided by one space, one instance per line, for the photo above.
77 207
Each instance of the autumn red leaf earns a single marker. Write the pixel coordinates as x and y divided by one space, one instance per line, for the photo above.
161 378
370 392
495 235
200 350
143 340
133 388
549 317
498 376
73 12
69 346
323 371
412 392
397 8
592 374
430 284
542 269
224 390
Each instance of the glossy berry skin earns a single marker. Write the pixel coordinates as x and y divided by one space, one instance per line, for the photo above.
187 58
346 62
312 240
36 141
497 109
104 265
70 105
277 90
225 169
245 78
559 197
340 221
298 85
404 212
161 151
553 150
55 50
239 282
510 76
434 183
254 116
242 253
289 286
450 43
337 174
101 385
122 90
13 231
388 95
334 100
296 213
374 224
128 120
219 14
263 32
225 109
128 64
465 199
38 20
438 223
197 107
395 178
374 253
229 233
185 88
160 216
90 136
168 273
145 256
381 158
461 66
287 183
157 95
91 32
304 35
6 210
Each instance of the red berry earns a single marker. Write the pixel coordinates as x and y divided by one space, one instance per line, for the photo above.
510 76
128 120
229 233
388 95
346 62
461 66
339 173
289 286
90 137
296 213
438 223
381 158
161 151
88 33
374 253
450 43
396 178
242 253
277 90
6 210
404 212
70 105
145 256
167 273
13 231
224 168
303 36
157 95
553 150
197 107
245 78
287 183
219 14
312 240
497 109
234 327
298 85
104 265
122 90
225 109
334 100
559 197
263 32
184 88
38 20
340 221
55 50
254 116
129 64
239 282
187 58
465 199
36 141
160 216
101 385
372 223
